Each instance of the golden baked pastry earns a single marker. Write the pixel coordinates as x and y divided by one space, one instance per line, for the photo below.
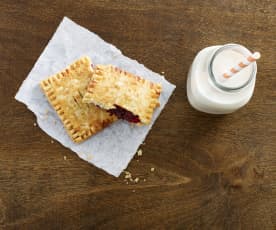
65 91
123 94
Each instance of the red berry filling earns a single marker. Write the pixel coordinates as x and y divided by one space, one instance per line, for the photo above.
122 113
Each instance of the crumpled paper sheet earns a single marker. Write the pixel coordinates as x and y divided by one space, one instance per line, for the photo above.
114 147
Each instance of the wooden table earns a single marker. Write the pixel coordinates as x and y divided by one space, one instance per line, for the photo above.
211 172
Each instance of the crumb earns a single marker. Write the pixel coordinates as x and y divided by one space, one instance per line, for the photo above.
130 179
140 152
127 182
127 176
162 72
137 160
52 141
133 190
152 169
35 124
144 179
65 158
136 180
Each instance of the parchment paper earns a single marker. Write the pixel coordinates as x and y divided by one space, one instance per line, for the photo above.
113 148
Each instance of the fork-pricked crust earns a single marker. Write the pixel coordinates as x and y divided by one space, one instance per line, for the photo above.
65 91
111 87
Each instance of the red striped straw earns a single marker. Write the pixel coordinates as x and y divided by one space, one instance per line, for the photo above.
249 60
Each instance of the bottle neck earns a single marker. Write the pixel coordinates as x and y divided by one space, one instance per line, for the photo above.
237 48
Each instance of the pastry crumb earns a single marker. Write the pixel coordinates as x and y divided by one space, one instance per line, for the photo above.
152 169
127 176
162 72
137 160
133 190
35 124
140 152
129 179
145 179
52 141
65 158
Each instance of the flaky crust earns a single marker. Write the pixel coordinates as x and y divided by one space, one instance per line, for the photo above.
111 86
65 91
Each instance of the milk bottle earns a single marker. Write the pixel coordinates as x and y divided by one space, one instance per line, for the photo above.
212 88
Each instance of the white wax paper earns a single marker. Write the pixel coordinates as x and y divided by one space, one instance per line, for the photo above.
113 148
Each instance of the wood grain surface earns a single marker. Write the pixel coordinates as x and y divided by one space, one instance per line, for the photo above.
211 172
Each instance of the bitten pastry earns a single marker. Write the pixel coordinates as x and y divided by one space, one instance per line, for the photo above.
123 94
65 91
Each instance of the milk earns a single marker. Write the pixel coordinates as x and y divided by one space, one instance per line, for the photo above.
208 91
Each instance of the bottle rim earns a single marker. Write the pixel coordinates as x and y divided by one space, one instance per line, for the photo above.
243 51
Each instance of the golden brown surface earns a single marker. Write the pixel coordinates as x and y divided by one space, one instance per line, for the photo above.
110 86
211 172
65 92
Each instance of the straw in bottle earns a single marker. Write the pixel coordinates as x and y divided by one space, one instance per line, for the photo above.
250 59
